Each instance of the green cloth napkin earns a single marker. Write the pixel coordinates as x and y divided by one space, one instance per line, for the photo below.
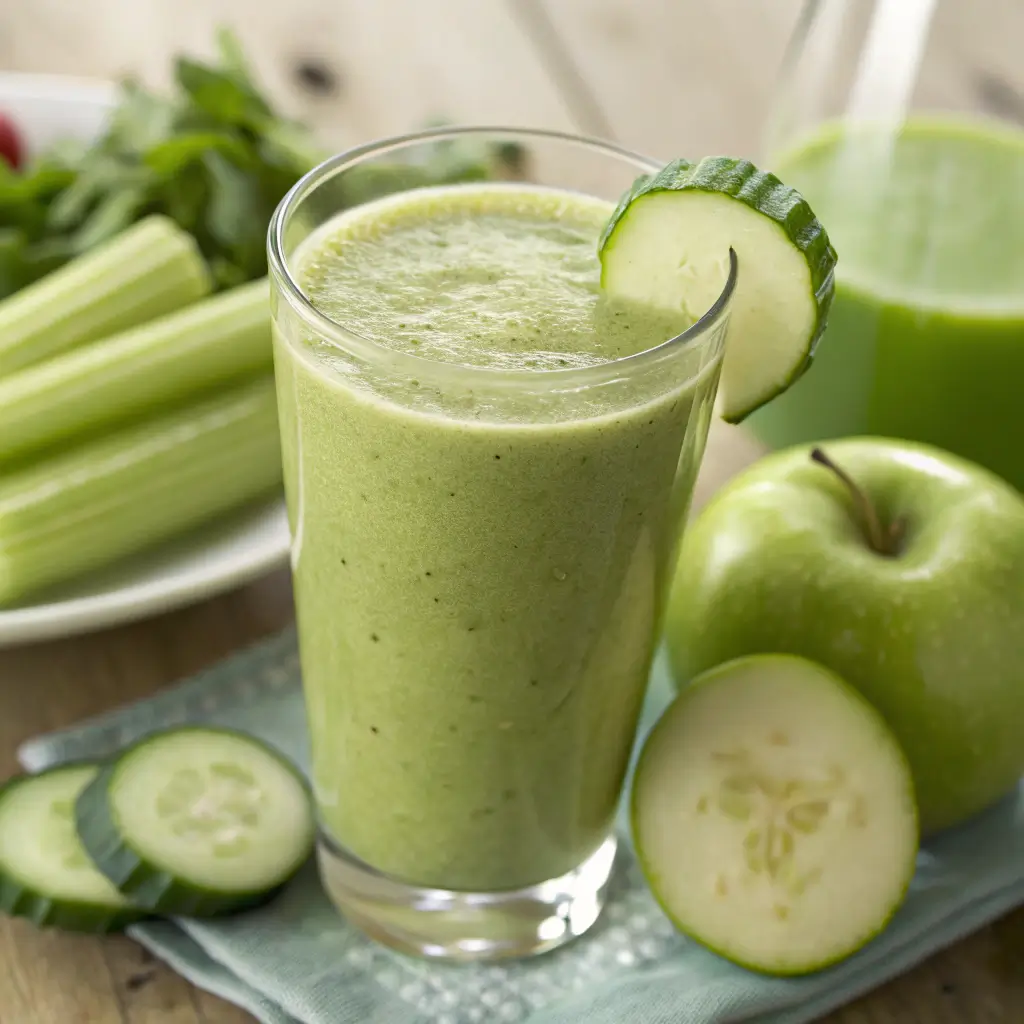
297 962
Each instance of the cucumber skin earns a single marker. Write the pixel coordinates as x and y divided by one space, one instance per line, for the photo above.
144 883
87 918
766 194
69 915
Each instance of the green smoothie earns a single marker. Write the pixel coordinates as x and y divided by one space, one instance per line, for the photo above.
926 336
479 570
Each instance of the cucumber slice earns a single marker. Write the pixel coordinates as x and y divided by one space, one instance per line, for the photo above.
667 245
197 821
45 874
773 815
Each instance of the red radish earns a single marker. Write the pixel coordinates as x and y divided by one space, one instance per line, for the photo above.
10 143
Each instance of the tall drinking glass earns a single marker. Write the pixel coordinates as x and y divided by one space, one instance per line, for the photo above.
480 553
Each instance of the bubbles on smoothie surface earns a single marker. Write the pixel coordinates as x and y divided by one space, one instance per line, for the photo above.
479 276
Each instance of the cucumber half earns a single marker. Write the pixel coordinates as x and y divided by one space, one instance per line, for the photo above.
45 874
197 821
667 245
773 815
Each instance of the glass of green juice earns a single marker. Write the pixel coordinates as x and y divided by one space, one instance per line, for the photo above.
902 122
487 468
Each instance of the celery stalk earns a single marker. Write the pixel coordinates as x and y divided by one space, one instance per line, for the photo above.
168 360
128 490
150 269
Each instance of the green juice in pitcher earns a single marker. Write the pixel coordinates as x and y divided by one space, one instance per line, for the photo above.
926 337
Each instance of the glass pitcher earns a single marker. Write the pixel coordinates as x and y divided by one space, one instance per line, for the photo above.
902 121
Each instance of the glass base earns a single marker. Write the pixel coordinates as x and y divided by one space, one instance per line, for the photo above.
466 925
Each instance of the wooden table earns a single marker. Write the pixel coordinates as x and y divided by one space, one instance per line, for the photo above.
647 72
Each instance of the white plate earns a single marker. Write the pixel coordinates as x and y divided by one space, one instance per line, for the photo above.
235 550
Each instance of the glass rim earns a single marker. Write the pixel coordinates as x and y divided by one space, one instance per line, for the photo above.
426 369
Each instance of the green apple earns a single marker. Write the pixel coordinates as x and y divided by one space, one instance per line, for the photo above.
898 566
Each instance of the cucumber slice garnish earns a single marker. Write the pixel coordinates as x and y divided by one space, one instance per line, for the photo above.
197 821
774 816
667 245
45 874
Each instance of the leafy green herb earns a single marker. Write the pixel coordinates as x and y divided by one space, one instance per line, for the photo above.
198 155
214 155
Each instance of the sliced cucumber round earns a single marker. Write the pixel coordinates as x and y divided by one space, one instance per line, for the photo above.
773 815
667 245
45 874
197 821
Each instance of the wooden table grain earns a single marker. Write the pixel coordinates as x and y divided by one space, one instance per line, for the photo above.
647 72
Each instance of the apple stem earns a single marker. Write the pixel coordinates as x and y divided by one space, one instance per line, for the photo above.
882 540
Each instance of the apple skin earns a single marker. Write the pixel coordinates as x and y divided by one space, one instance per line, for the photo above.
933 636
